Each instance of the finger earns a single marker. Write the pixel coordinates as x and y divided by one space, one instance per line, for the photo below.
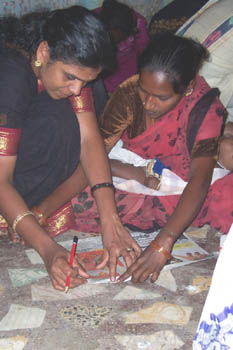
154 277
81 272
16 238
144 275
22 242
57 285
60 271
127 258
137 249
77 281
140 273
133 257
128 272
78 269
112 267
104 261
126 275
57 282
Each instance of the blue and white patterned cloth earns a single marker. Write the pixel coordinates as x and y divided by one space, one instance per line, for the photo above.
215 329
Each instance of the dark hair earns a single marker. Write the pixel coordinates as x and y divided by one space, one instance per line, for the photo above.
74 35
118 16
179 58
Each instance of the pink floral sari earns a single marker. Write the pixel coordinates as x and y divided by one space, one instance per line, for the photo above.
172 139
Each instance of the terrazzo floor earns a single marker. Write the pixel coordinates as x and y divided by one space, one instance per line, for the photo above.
104 316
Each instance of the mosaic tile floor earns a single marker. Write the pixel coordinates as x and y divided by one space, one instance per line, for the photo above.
164 315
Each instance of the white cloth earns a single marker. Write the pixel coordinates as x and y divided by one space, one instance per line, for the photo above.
215 329
170 182
210 22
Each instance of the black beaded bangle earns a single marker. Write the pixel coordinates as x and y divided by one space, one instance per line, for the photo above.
101 185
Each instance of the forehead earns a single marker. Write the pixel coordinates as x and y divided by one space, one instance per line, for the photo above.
156 83
227 144
79 72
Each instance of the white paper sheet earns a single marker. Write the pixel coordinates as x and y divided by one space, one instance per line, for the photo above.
20 317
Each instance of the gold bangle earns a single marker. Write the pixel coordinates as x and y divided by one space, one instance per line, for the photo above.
161 250
19 218
39 216
158 186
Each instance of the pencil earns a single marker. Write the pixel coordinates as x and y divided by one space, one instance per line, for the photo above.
74 245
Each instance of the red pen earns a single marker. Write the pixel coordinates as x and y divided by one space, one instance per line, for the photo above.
74 245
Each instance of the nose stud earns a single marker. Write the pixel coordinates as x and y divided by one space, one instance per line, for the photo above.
143 103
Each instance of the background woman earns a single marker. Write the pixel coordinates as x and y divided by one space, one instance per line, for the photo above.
128 31
45 61
168 112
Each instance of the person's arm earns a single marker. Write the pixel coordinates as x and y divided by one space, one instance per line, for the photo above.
141 37
75 184
131 172
94 169
151 261
55 257
94 161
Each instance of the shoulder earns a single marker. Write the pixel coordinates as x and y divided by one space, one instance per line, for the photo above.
124 96
18 85
129 85
16 67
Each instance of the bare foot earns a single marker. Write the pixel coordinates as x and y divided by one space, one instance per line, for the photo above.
14 237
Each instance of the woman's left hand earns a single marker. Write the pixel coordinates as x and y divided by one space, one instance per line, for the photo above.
117 242
149 263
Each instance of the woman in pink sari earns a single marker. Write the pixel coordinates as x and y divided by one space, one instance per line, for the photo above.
128 30
167 112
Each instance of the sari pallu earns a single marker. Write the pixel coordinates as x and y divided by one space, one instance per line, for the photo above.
171 139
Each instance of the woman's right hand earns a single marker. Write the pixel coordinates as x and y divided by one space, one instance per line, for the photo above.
56 260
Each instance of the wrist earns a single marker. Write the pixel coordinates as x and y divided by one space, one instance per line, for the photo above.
109 220
166 238
161 249
40 215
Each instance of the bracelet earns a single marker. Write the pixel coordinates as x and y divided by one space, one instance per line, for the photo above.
39 216
19 218
101 185
149 169
158 186
161 250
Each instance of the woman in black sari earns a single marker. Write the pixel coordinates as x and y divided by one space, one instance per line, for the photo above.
49 135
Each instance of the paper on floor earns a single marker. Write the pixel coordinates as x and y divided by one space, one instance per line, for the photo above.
20 317
199 284
20 277
133 293
14 343
161 313
159 341
48 293
86 244
166 280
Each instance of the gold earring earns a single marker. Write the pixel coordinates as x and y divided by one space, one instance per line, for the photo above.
37 63
189 92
